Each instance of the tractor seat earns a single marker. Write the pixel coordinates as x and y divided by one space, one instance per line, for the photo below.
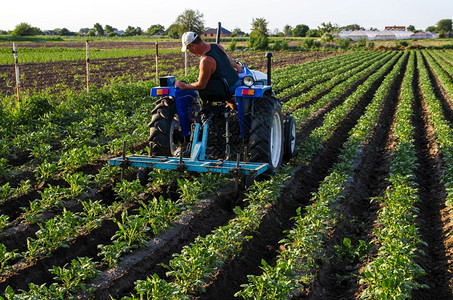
217 90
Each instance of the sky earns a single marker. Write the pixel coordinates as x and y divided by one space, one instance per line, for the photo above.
73 15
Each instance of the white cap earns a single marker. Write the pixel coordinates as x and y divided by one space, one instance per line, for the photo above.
187 38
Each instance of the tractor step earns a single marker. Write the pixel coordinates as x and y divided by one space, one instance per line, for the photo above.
186 164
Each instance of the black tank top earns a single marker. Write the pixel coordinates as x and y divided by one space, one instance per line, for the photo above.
223 68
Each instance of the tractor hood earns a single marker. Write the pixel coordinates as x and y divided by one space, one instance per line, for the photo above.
257 75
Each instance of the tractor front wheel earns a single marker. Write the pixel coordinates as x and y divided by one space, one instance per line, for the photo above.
290 137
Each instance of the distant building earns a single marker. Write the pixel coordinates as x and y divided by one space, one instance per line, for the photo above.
212 33
395 28
119 32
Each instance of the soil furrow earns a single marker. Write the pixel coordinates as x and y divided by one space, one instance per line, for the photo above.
441 94
432 198
200 221
338 279
306 180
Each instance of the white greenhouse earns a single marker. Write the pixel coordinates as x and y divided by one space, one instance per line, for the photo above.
362 35
423 35
393 35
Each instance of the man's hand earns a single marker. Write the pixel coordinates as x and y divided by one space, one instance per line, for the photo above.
238 68
180 84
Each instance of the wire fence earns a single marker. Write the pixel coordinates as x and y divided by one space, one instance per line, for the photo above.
79 73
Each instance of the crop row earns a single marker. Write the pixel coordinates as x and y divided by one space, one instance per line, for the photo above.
192 268
109 259
43 54
443 71
78 149
442 127
392 273
350 80
446 55
304 245
323 73
63 228
134 230
289 78
138 215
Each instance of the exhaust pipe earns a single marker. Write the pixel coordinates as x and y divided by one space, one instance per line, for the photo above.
219 29
269 56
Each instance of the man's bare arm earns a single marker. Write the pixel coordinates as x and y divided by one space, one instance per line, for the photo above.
207 68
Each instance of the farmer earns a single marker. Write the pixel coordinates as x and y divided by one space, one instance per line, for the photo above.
214 64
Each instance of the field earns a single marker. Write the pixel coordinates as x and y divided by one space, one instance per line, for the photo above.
59 66
363 210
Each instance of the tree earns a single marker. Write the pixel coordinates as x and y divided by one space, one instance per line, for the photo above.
327 28
277 32
237 32
99 29
313 33
444 25
173 31
344 43
287 30
109 29
83 31
411 28
431 29
300 30
25 29
63 32
352 27
133 31
155 29
259 37
310 43
327 37
130 31
189 20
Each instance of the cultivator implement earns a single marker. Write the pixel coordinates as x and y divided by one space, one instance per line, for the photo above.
195 163
186 164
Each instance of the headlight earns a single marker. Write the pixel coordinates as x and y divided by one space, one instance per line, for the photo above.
248 81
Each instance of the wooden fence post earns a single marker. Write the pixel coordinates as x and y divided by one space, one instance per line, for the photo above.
88 65
157 62
16 66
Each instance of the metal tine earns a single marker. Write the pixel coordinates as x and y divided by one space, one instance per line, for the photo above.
124 158
151 150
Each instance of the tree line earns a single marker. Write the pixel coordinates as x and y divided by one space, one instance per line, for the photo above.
193 20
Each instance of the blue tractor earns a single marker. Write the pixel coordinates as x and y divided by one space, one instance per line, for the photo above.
249 137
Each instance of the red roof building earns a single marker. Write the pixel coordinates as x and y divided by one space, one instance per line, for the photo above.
395 28
212 33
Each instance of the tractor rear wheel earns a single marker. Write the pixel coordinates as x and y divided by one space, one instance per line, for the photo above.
165 132
266 132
